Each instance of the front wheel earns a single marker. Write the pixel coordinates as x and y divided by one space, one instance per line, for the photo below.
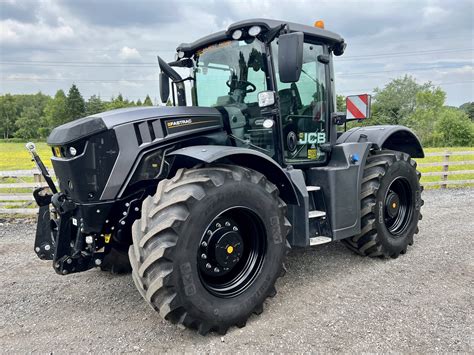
209 246
390 205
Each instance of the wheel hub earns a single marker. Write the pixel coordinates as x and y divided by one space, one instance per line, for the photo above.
398 209
221 247
392 204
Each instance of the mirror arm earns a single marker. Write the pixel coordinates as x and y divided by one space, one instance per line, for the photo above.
272 33
339 118
170 72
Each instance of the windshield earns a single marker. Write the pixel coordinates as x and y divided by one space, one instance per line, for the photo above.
230 72
230 75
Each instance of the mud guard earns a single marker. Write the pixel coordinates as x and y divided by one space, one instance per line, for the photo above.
398 138
252 159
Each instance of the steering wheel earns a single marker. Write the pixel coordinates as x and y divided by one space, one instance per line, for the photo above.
246 83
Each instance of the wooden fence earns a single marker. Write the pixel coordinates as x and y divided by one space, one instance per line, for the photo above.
445 164
23 201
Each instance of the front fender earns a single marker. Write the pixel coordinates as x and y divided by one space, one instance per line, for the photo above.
398 138
252 159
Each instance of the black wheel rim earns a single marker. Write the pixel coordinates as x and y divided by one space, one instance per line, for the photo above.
231 252
398 207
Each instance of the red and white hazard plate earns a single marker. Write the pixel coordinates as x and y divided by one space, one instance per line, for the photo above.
358 106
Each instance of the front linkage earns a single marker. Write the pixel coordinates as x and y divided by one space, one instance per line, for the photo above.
61 234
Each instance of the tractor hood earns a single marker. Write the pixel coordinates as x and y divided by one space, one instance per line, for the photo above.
150 122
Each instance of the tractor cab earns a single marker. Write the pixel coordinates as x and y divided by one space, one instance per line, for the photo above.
271 80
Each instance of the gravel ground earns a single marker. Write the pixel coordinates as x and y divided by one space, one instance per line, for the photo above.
330 300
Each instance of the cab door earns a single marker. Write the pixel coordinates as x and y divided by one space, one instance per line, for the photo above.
304 108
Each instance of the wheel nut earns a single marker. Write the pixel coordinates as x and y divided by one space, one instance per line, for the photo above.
209 232
204 256
218 225
69 261
235 229
216 269
208 266
204 244
227 224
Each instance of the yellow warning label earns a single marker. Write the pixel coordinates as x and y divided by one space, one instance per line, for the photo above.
312 153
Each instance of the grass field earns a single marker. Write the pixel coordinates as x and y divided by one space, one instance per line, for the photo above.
14 156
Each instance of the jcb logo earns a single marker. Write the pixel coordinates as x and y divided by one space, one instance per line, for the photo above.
312 138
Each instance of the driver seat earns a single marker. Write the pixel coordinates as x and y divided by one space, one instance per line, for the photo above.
290 101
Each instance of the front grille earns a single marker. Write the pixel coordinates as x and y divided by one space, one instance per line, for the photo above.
84 176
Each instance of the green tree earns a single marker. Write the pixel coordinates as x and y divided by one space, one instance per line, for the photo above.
454 129
119 102
94 105
75 105
29 123
147 101
8 115
169 103
56 111
139 102
428 109
396 101
468 107
340 103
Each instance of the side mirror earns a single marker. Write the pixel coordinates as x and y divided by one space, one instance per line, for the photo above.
290 56
164 87
358 107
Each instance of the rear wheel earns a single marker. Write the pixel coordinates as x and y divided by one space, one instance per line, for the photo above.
209 246
390 205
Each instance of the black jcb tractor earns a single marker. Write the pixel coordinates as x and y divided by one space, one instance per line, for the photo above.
202 200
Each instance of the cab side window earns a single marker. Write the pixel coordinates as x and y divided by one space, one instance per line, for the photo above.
303 108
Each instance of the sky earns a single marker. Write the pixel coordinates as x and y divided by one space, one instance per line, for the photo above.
108 47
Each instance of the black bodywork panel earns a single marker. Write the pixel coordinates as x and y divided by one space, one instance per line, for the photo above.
398 138
252 159
340 183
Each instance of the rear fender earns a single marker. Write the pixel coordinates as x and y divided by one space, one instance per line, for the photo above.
252 159
398 138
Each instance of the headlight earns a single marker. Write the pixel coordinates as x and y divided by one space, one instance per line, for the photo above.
237 34
72 151
255 30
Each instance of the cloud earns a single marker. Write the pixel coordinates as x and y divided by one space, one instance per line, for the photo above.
20 11
120 13
129 54
20 32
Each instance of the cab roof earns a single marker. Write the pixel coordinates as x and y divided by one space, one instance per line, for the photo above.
309 31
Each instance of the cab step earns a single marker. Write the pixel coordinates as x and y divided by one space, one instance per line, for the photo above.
319 240
316 214
313 188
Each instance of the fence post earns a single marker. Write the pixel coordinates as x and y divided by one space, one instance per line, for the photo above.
444 177
38 178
